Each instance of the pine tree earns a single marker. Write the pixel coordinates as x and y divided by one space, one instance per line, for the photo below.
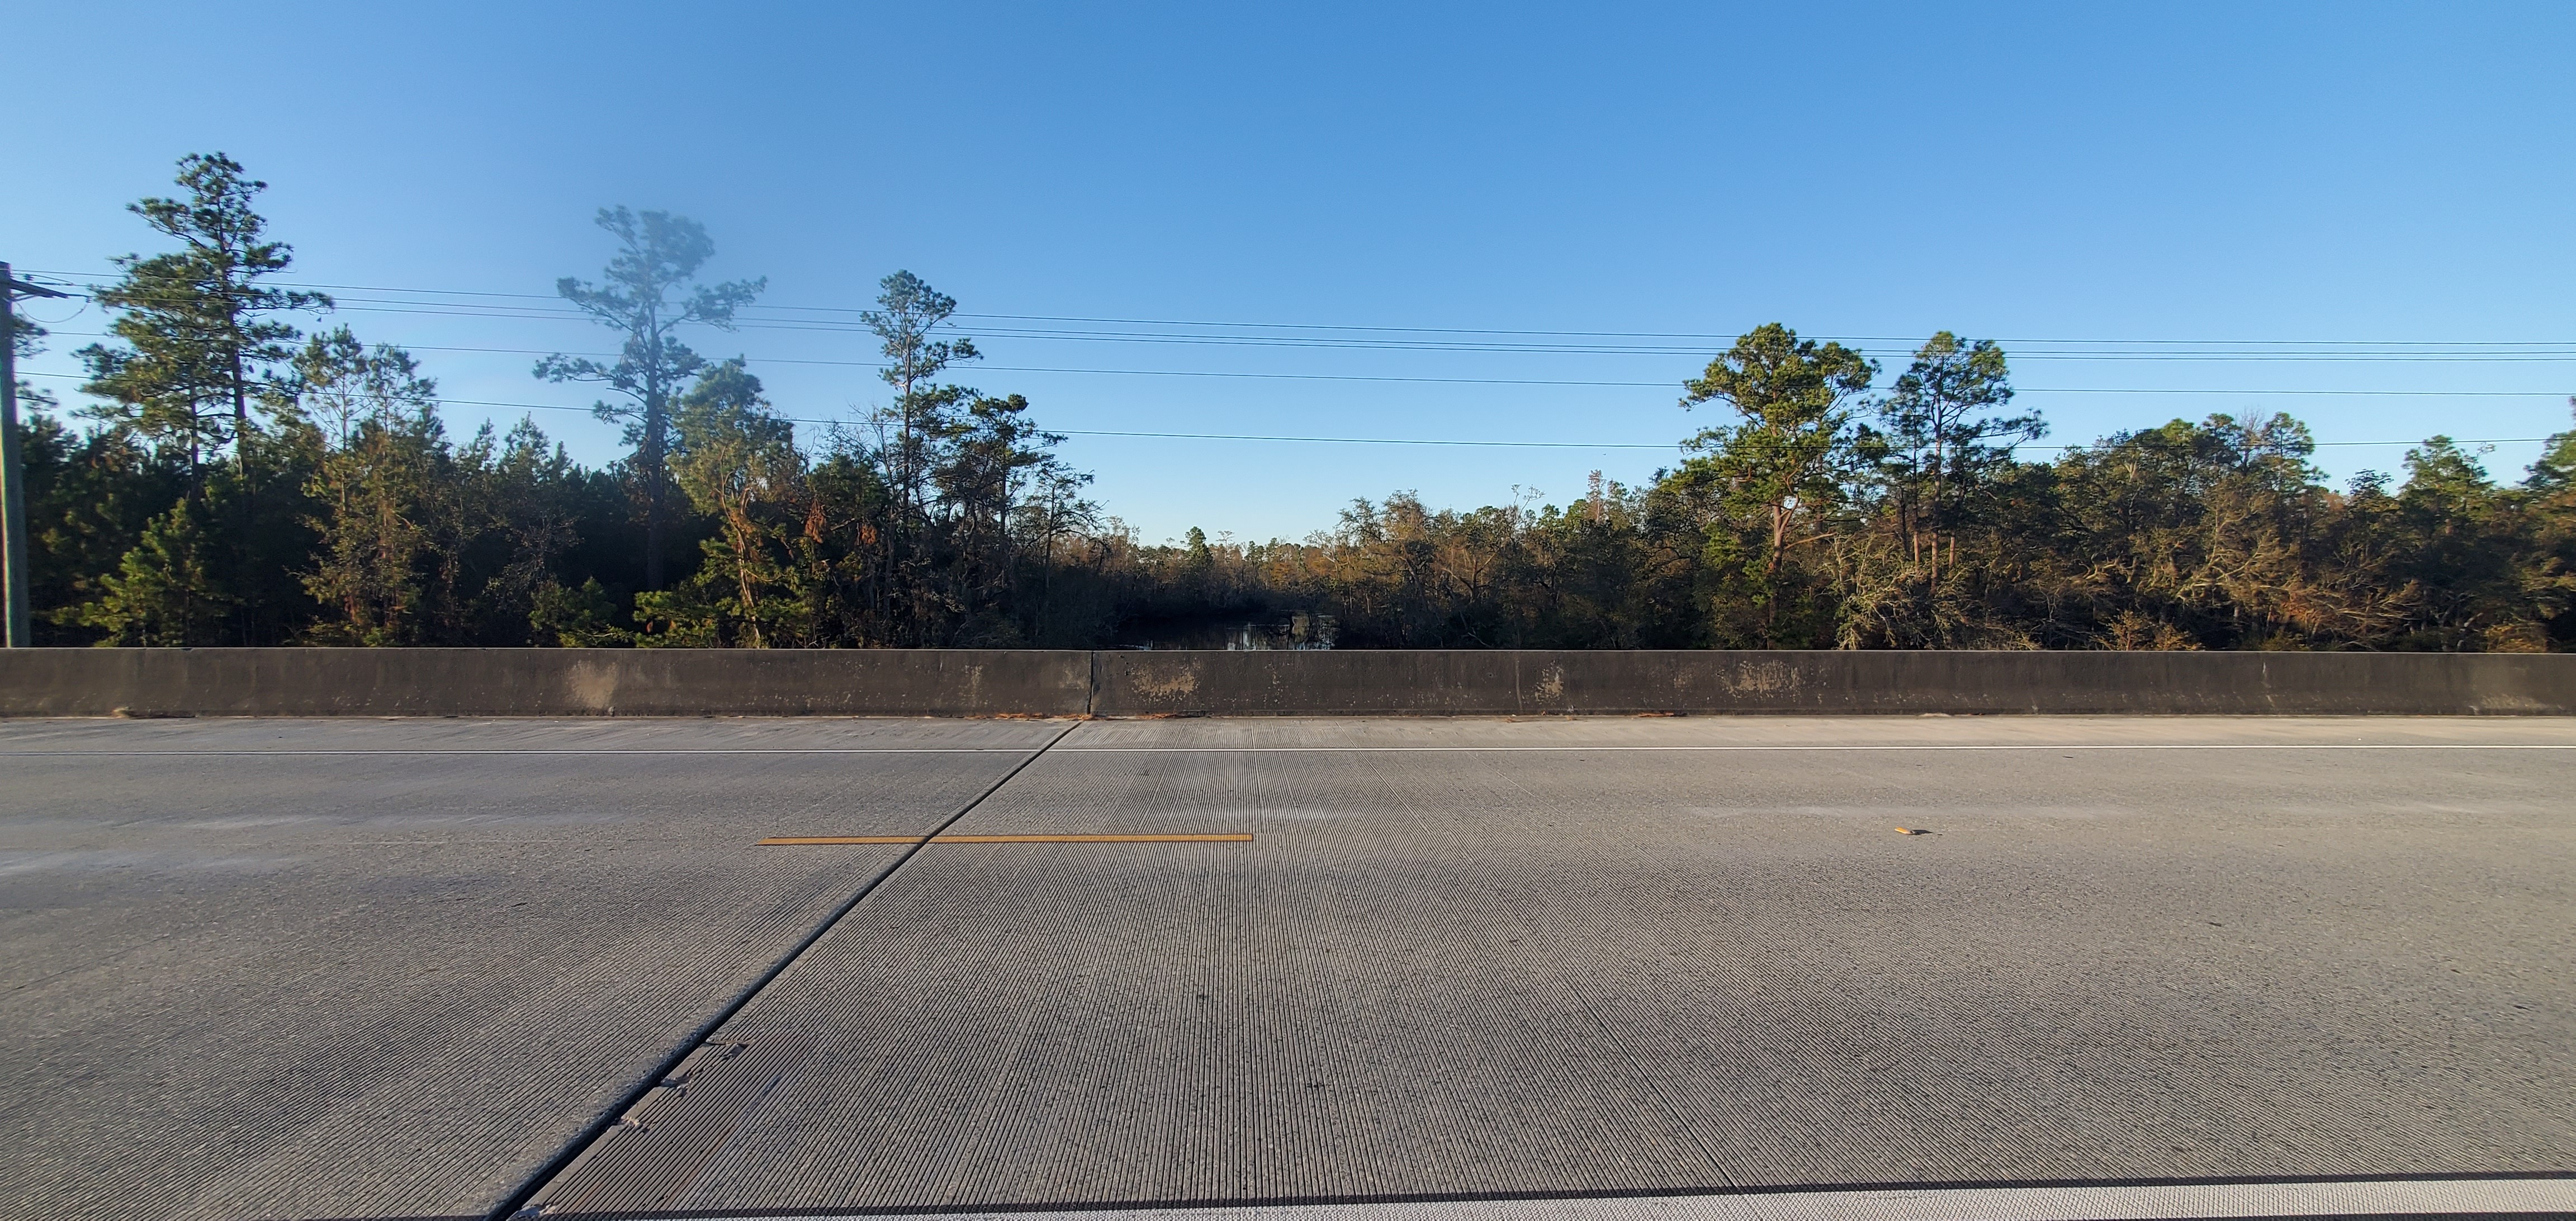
168 591
200 338
1777 474
648 293
385 456
738 463
199 348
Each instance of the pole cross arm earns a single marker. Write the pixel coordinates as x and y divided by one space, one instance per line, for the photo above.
20 289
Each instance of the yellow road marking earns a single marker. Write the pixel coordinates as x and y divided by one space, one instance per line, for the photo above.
1008 839
843 839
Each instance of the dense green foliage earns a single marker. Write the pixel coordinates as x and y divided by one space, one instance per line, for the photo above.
238 481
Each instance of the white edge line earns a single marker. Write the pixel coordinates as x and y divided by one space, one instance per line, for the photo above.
2052 1203
1279 750
1255 750
864 750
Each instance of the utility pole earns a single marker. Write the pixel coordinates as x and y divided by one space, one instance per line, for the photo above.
14 554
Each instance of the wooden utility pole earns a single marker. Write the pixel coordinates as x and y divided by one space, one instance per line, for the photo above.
14 555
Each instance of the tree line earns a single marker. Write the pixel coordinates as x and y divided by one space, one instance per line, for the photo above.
231 478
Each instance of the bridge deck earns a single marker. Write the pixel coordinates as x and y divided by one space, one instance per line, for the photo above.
404 968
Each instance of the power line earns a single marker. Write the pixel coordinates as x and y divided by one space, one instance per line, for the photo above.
1321 326
2485 353
2348 352
1456 381
1309 440
2123 349
551 313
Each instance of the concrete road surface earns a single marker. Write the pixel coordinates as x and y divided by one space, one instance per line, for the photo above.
1550 970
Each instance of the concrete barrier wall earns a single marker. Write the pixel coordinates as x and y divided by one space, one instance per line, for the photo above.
993 682
1458 682
543 682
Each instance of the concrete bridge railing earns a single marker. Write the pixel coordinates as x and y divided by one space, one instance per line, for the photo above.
1038 682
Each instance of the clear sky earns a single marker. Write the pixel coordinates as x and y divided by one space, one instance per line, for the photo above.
2258 186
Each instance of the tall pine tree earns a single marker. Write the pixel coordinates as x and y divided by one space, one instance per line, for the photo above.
200 345
201 340
649 291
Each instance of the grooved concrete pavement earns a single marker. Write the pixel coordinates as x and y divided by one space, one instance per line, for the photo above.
1596 963
261 984
1459 959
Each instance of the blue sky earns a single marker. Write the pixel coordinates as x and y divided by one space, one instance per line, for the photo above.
2264 180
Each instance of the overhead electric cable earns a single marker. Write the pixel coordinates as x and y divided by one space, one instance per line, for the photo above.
1455 441
1453 381
2195 349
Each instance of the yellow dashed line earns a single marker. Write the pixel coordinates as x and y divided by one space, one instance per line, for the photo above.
1007 839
